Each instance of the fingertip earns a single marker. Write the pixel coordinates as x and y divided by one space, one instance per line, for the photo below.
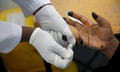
94 15
70 51
70 46
72 42
70 13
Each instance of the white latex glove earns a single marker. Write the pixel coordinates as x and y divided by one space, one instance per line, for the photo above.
52 52
47 16
59 38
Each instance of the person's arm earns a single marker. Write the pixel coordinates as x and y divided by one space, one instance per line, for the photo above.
47 16
45 45
10 36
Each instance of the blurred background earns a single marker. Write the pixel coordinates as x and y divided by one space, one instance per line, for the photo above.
24 58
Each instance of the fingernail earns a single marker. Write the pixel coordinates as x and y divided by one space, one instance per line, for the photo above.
70 13
95 16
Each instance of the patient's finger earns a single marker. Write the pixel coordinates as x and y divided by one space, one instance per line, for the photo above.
74 24
82 18
69 22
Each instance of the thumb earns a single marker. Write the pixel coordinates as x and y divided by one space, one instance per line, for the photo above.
100 20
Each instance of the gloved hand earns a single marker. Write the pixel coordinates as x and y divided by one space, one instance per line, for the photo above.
52 52
47 16
59 38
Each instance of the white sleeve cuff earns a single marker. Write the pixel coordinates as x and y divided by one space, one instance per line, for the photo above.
29 6
10 36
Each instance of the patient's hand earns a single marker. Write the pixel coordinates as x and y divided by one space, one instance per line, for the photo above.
97 35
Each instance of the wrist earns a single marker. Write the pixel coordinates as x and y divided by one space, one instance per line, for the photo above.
110 47
26 33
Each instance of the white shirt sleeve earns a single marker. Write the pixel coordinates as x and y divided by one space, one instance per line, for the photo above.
10 36
29 6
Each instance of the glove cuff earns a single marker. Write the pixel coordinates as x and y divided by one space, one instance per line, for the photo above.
50 19
30 6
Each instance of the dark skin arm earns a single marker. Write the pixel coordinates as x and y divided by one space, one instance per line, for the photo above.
26 33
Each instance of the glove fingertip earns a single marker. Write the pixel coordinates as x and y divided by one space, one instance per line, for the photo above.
72 41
